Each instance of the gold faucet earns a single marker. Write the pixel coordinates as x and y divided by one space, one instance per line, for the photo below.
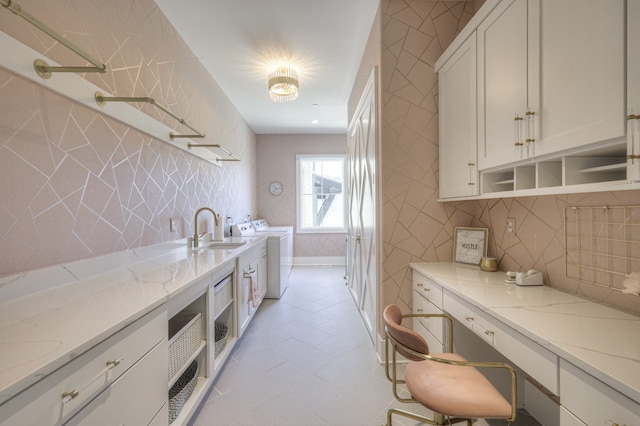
195 223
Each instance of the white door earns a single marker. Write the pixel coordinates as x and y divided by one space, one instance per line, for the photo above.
362 228
633 90
458 130
507 79
582 98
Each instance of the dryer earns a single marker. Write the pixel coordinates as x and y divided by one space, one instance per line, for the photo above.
278 261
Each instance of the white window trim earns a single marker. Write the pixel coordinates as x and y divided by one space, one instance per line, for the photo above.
306 230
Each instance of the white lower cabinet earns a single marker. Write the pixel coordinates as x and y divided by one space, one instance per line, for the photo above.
95 373
427 299
587 400
132 399
251 289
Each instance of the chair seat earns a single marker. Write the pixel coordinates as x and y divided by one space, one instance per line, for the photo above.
454 390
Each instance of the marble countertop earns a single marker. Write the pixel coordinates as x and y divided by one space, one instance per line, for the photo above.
602 341
50 316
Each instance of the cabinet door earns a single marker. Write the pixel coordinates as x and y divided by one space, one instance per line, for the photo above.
263 271
507 80
581 73
458 130
633 90
246 303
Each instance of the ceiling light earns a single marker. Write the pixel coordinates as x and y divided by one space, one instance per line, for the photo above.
315 121
283 85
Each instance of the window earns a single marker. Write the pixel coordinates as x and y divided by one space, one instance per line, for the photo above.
321 193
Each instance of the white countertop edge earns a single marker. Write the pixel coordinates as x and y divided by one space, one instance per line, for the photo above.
555 347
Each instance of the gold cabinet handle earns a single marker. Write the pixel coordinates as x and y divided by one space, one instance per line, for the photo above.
469 318
633 156
420 284
633 117
530 140
471 184
489 332
114 363
471 164
68 396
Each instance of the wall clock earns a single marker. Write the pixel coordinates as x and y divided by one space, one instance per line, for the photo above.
275 188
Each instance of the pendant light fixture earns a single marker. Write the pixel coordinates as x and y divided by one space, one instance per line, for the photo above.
283 85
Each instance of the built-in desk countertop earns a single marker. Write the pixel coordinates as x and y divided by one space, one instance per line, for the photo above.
49 317
602 341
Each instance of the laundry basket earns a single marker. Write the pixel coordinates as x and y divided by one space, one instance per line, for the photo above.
182 389
221 332
186 336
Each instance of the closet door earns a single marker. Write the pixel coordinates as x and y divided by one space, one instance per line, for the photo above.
362 140
633 90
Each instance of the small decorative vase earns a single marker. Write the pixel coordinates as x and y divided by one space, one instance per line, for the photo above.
489 264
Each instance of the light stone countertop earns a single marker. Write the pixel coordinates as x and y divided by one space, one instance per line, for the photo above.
50 316
600 340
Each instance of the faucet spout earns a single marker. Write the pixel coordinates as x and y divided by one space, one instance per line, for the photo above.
196 236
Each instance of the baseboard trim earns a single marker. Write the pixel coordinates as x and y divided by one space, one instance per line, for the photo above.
319 260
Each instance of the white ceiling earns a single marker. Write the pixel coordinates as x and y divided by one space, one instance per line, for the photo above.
241 41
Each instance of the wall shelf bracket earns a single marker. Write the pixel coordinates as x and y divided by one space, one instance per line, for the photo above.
41 67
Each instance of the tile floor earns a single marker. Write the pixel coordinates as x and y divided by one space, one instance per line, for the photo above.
306 359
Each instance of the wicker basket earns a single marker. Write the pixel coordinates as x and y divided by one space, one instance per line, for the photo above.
184 342
182 389
220 337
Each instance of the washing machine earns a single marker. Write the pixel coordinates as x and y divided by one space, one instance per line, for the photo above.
261 225
278 261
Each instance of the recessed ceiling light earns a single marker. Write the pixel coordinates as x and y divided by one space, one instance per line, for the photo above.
315 121
315 105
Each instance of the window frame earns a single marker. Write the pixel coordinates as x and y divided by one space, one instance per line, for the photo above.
300 196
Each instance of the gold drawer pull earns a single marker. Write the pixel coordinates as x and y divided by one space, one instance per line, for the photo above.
633 156
469 318
633 117
68 396
420 284
489 332
114 363
420 310
427 289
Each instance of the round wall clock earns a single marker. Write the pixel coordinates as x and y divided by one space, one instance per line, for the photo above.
275 188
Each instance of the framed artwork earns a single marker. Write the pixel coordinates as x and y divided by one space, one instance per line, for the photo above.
470 244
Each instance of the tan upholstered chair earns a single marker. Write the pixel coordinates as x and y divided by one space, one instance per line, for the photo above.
446 383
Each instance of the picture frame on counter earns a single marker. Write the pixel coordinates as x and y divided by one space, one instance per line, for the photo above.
470 244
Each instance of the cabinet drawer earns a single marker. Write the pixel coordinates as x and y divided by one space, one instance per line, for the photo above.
434 325
143 387
427 289
538 362
435 345
579 390
85 376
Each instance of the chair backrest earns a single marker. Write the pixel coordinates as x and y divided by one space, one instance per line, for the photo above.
392 316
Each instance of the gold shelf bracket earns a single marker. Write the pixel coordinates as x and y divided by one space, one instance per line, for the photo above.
102 100
41 67
232 157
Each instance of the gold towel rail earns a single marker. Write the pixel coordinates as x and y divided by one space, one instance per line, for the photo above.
42 68
220 147
102 100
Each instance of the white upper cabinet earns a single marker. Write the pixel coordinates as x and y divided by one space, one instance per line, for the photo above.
633 90
458 131
507 81
581 74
